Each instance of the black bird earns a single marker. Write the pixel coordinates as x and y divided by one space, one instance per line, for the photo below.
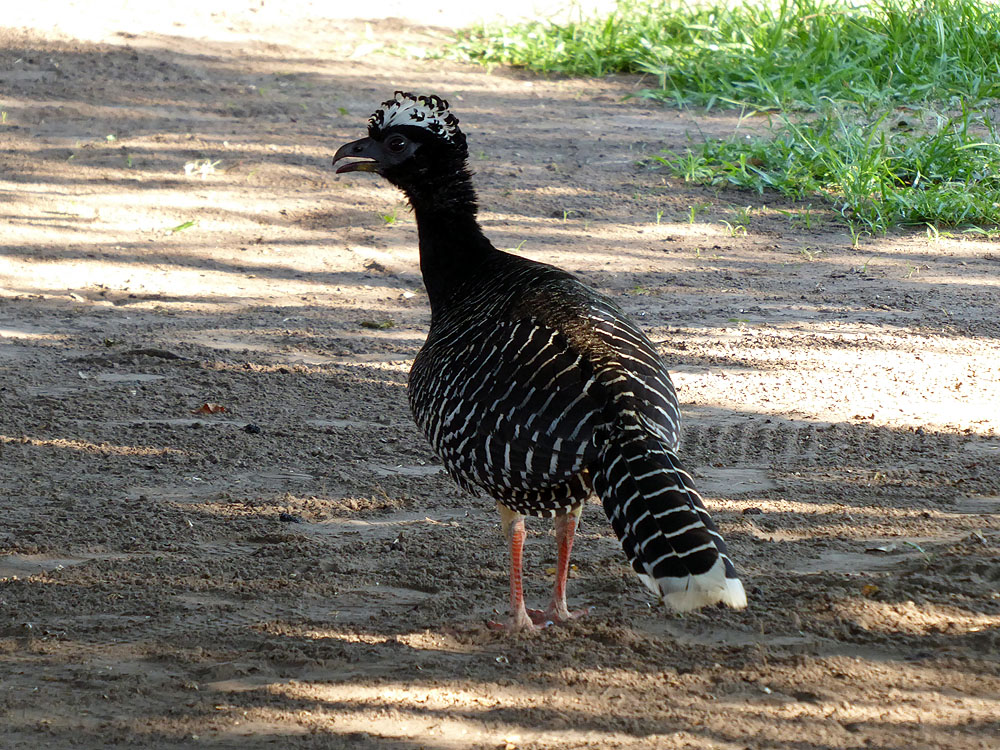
535 389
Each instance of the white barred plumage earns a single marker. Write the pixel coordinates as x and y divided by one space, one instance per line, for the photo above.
536 390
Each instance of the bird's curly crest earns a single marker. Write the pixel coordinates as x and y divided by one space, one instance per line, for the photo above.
429 112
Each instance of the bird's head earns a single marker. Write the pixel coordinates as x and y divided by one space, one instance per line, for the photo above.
411 139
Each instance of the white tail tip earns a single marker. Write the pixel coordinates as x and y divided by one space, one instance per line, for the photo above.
696 591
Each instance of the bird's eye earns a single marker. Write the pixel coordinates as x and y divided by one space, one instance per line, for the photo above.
395 143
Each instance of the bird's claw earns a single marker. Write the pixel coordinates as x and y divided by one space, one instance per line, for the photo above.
538 619
532 619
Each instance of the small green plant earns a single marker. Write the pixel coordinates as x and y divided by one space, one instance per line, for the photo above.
863 270
801 219
659 216
735 230
918 548
182 227
390 218
989 234
935 235
810 254
3 117
740 220
111 137
695 209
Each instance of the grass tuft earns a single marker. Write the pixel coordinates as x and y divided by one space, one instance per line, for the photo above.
844 61
792 53
877 175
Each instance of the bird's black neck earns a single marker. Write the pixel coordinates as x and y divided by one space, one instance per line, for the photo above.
453 247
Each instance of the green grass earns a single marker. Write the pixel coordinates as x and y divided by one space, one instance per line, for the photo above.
789 54
182 227
876 175
850 66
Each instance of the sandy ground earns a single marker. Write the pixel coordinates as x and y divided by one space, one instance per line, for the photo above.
296 571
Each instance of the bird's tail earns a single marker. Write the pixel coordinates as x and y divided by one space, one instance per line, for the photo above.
668 536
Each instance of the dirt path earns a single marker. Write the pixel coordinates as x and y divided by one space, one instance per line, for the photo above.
296 571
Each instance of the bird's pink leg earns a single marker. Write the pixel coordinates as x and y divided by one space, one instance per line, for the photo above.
565 531
522 618
513 525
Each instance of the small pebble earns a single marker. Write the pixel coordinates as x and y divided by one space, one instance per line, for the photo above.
289 518
252 429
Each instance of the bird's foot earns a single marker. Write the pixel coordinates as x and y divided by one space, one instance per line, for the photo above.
539 619
558 614
530 619
524 620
